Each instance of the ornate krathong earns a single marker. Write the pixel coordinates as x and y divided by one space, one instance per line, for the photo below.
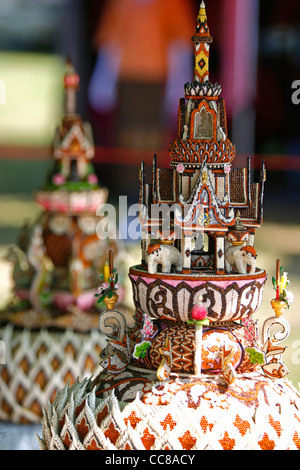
193 372
56 263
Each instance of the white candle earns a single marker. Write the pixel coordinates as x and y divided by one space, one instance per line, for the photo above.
198 349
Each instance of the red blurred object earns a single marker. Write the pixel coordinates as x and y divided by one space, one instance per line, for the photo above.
72 80
199 313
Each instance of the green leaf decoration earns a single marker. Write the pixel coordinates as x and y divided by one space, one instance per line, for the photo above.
204 322
284 293
140 350
255 356
101 299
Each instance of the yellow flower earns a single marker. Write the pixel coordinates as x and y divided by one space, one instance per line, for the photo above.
283 282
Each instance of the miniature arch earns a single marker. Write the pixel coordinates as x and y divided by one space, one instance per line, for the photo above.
204 122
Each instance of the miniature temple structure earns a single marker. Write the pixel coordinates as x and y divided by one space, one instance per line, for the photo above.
206 195
199 217
50 326
64 247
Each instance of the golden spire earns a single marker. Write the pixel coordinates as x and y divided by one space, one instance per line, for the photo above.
202 40
202 26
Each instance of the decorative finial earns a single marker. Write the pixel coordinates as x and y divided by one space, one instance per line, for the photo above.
71 83
202 40
109 284
71 79
238 223
284 298
202 29
202 25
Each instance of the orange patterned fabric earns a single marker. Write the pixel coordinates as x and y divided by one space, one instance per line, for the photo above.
187 441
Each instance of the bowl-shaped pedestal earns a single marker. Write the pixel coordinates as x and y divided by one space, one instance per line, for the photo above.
228 297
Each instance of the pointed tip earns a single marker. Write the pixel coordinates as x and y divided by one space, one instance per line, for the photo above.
202 25
202 10
71 77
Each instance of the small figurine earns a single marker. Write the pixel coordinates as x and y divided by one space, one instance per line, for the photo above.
39 291
274 368
228 370
240 258
165 367
166 255
116 355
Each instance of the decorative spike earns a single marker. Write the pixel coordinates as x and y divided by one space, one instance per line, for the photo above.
56 443
92 399
202 26
71 428
54 423
42 445
71 407
202 40
89 415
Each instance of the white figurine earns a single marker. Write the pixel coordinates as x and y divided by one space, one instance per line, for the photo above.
166 255
240 258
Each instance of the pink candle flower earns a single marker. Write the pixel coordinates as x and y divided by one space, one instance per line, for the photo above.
58 179
199 313
180 168
227 169
289 297
93 179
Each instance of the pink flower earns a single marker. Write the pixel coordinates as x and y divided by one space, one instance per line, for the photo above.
289 297
105 285
199 313
227 169
58 179
93 179
180 168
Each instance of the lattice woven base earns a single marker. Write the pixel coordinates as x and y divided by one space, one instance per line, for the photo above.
254 413
38 363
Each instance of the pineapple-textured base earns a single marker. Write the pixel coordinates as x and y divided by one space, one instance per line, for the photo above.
189 413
